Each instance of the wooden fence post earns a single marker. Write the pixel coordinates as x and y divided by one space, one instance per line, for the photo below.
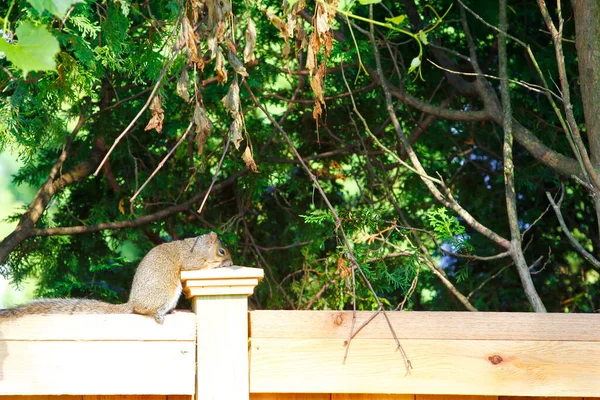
220 301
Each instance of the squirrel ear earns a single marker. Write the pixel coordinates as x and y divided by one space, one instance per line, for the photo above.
212 237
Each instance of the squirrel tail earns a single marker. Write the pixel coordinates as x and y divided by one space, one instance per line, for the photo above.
66 306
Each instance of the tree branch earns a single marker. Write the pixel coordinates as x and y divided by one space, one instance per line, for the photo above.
509 171
578 247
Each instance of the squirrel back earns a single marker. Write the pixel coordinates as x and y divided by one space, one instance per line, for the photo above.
156 284
66 306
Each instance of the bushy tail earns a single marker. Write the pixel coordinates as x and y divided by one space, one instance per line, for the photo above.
66 306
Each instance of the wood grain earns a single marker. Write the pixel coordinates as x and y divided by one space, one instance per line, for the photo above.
457 397
354 396
427 325
124 397
63 397
519 368
290 396
540 398
116 367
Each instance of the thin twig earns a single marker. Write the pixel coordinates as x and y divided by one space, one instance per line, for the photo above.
531 86
139 114
338 221
578 247
214 178
163 161
485 281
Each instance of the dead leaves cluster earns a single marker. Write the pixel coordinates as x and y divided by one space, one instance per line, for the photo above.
208 25
320 40
158 115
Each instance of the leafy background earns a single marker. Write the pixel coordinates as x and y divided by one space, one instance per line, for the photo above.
101 60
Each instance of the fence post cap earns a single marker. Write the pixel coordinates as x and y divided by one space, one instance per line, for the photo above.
234 280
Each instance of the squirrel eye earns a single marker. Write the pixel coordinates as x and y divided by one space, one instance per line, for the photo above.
221 251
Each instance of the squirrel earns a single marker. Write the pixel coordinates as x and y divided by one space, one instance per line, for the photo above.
156 285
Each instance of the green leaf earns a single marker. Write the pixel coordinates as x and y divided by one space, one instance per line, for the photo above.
35 48
55 7
422 37
396 20
367 2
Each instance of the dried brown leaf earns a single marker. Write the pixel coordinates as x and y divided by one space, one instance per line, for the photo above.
316 83
311 56
286 49
158 115
328 43
203 127
278 23
250 41
317 111
231 45
284 28
236 64
218 10
321 21
183 85
231 101
333 4
249 160
301 38
292 18
220 67
195 6
191 41
235 130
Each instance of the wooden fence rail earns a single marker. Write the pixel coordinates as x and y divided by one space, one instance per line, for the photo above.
222 351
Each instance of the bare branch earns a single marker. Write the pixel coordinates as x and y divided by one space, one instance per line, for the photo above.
139 114
578 247
509 175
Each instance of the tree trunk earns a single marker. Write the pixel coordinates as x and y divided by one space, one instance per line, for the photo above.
587 40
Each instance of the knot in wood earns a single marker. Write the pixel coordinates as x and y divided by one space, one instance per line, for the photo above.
339 319
495 359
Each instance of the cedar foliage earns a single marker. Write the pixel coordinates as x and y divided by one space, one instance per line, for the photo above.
264 205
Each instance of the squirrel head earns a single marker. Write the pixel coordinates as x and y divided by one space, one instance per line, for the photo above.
206 251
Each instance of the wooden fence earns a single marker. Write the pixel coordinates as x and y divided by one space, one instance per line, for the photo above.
222 351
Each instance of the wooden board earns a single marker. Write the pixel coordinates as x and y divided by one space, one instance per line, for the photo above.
99 397
94 367
90 327
427 325
222 347
232 272
468 367
355 396
290 396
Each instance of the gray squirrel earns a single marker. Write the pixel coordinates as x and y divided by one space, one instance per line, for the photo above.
156 285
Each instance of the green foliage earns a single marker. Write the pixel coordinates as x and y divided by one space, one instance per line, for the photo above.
448 229
55 7
34 50
318 217
101 59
